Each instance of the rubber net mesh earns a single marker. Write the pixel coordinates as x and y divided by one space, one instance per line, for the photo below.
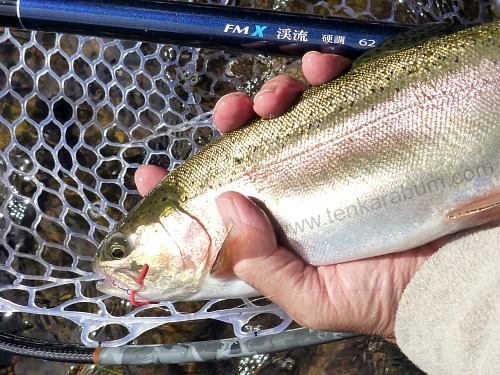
78 116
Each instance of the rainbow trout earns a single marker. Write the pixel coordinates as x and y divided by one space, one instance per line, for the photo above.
399 151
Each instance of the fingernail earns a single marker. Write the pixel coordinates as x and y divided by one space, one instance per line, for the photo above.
270 87
228 211
139 174
309 54
343 60
222 100
339 60
333 58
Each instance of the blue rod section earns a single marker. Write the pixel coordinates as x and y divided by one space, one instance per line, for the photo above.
199 25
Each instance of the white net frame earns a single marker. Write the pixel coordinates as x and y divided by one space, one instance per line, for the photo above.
78 115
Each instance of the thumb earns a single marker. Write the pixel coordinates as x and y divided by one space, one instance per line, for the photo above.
250 233
256 257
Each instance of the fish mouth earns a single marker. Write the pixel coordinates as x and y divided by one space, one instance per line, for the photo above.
127 285
119 278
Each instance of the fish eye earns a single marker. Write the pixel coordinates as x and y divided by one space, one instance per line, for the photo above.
117 252
118 246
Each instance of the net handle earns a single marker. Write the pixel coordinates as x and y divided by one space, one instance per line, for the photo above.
214 350
200 351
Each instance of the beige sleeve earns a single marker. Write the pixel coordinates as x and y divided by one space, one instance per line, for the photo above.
448 320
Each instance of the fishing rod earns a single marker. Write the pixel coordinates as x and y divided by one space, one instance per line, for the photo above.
201 351
200 25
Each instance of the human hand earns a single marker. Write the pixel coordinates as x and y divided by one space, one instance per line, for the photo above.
359 296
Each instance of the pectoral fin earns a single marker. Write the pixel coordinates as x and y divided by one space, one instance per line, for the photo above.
477 212
223 265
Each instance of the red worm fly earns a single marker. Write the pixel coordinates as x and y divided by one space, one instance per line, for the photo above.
140 280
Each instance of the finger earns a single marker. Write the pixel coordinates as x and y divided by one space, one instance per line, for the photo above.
147 177
233 111
319 68
257 259
245 222
276 95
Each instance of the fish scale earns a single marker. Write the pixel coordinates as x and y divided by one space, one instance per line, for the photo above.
365 165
